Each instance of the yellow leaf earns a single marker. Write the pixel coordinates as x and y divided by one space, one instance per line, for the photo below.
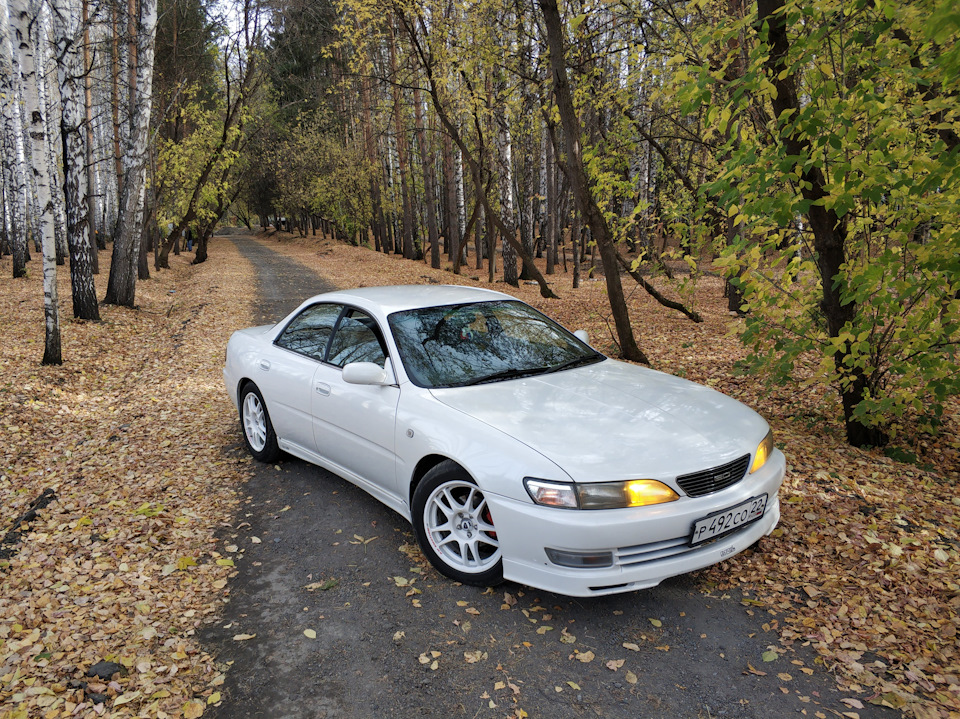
243 637
656 622
192 710
309 634
125 698
213 698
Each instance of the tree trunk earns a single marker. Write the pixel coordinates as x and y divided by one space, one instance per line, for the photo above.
829 232
429 182
13 185
580 185
452 227
576 242
124 268
507 213
91 197
371 151
550 240
70 71
25 22
402 164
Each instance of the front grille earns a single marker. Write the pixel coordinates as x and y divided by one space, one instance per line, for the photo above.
655 551
697 484
652 551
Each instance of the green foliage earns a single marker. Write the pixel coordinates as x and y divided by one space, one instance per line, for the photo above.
180 162
873 106
316 174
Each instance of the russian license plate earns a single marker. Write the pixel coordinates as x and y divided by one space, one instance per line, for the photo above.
727 520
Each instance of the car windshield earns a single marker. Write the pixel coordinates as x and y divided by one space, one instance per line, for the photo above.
457 345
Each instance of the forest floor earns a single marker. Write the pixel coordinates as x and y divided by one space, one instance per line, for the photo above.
132 435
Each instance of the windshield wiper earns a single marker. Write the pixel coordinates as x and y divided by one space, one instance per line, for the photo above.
511 373
577 362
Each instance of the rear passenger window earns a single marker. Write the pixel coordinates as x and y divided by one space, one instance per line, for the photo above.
310 331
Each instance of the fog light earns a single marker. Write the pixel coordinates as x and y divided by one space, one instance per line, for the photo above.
580 560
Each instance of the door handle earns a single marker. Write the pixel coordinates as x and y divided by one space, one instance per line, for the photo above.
264 365
323 389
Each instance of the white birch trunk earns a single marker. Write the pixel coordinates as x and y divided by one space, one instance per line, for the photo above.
121 287
505 152
50 99
25 22
68 37
12 176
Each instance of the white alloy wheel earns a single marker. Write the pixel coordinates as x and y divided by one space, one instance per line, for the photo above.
254 422
459 528
258 432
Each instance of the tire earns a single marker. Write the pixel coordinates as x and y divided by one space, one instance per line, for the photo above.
258 432
454 527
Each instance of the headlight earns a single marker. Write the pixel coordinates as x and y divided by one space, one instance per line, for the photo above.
605 495
551 494
763 453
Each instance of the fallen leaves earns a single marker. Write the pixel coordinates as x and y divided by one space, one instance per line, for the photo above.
865 557
129 434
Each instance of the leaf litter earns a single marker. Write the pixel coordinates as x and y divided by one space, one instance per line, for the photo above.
865 564
131 435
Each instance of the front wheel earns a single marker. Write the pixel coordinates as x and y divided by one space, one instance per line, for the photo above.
454 527
258 432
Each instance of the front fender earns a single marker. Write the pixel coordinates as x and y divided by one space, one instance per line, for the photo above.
496 461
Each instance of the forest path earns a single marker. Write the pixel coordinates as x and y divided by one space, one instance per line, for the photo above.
395 639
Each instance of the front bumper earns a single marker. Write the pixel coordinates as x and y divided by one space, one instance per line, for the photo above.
648 544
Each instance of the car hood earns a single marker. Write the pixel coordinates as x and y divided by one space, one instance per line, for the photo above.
612 420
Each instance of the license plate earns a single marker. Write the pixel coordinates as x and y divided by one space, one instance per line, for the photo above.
727 520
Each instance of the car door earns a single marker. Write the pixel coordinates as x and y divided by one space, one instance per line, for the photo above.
285 376
354 425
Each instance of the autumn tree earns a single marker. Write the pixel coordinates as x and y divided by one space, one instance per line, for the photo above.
124 267
26 28
848 255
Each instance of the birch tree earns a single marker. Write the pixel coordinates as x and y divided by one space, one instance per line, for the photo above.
122 283
25 25
68 35
13 183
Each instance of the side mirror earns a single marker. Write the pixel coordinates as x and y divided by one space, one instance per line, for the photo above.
582 336
364 373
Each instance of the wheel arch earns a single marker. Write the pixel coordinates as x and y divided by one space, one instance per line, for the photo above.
242 385
425 465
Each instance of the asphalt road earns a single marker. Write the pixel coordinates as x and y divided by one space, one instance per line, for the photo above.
395 639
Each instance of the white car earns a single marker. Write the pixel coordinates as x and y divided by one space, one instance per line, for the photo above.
515 449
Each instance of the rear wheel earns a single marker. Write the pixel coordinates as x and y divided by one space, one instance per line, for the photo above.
454 526
258 432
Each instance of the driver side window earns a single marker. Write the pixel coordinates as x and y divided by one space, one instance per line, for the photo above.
357 339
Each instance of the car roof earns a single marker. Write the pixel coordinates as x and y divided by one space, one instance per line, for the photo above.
395 298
